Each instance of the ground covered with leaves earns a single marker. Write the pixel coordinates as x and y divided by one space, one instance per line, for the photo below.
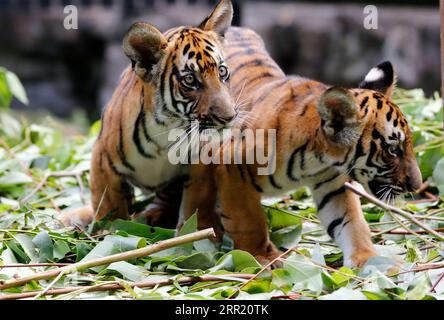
44 171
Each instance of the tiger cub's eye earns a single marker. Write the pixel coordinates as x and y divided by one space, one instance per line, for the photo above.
394 150
189 79
223 73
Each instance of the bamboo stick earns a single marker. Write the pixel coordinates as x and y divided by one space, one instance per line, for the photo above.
124 256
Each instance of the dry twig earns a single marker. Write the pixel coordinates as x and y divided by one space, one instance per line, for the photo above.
361 192
116 286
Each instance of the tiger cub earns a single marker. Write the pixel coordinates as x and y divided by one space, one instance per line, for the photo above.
325 136
176 79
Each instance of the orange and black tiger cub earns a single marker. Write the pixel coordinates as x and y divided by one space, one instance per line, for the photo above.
176 79
325 136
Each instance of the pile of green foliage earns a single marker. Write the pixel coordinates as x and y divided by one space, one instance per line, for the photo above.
44 171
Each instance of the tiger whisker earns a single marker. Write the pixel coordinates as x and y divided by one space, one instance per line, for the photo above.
182 138
240 93
165 132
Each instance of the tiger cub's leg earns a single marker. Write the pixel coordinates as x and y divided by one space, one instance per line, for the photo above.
164 210
242 215
340 213
200 195
112 197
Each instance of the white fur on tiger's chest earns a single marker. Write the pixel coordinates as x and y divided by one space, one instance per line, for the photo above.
148 155
151 174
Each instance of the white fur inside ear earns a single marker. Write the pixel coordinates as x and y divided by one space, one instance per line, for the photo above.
218 14
374 75
220 20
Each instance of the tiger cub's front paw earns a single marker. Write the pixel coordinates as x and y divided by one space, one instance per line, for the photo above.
359 258
270 255
79 218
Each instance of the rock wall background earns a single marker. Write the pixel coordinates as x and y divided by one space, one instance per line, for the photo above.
67 69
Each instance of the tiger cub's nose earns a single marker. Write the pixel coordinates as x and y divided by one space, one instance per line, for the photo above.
223 117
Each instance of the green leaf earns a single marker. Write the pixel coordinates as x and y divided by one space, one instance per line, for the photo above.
428 161
16 87
10 128
419 291
304 273
282 279
61 249
128 271
383 281
188 227
344 294
95 129
41 162
236 261
258 286
82 250
8 257
28 246
153 234
14 178
438 175
103 249
112 245
413 253
123 244
317 255
280 219
381 264
46 248
376 295
287 237
5 92
200 260
205 245
342 277
19 252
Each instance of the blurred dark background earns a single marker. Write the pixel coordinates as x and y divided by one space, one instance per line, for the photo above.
67 70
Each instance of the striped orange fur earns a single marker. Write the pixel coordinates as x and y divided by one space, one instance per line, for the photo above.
326 136
175 79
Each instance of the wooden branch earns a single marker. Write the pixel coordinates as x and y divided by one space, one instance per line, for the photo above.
37 265
404 232
361 192
423 267
117 286
432 289
124 256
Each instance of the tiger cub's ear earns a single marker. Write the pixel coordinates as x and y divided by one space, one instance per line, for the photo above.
339 116
145 46
381 78
220 19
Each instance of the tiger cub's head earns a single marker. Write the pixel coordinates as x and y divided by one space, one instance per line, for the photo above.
187 68
373 128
